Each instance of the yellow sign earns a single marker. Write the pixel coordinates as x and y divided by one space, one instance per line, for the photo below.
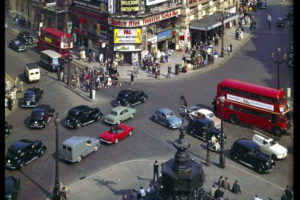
70 2
127 36
129 9
98 30
48 39
102 7
128 3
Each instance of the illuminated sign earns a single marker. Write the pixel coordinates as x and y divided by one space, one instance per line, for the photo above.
127 36
129 6
47 39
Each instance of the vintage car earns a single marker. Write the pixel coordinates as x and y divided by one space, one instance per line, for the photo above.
12 187
82 115
120 114
248 153
7 129
17 45
77 147
131 97
116 133
26 37
167 117
270 147
23 152
205 114
32 97
32 72
279 22
40 116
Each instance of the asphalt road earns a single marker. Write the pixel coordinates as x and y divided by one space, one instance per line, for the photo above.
150 140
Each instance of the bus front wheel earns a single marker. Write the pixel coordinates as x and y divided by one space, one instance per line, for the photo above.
277 132
234 119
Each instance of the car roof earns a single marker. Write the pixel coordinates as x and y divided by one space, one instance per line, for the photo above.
51 53
118 108
79 108
74 140
127 91
165 110
20 144
40 108
204 111
14 40
32 66
247 143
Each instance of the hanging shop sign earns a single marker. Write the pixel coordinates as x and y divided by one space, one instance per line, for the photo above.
153 2
145 21
127 36
127 48
130 6
111 6
192 3
152 39
164 35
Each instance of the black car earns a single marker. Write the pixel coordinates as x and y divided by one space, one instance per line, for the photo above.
32 97
23 152
8 128
26 37
40 116
131 97
279 22
12 186
248 153
82 115
17 45
197 129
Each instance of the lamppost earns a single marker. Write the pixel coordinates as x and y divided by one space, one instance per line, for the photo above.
278 61
205 130
222 17
222 157
56 190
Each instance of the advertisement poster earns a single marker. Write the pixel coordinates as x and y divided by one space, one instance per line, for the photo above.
127 36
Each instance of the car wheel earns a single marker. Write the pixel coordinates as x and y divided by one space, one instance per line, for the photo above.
44 124
154 118
79 159
234 119
277 132
144 99
274 157
169 126
116 141
21 165
98 117
130 133
42 152
260 170
127 104
132 116
96 148
78 125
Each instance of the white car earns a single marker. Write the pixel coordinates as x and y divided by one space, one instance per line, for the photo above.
203 113
270 147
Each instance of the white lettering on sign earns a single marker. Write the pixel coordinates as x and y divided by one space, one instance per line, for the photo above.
250 102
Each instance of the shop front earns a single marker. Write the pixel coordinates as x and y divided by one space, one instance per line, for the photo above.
163 39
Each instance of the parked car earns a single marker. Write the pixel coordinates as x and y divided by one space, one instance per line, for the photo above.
167 117
131 97
262 4
205 114
290 62
77 147
32 97
7 129
32 72
82 115
279 22
120 114
197 129
248 153
12 187
23 152
270 147
17 45
116 133
40 116
26 37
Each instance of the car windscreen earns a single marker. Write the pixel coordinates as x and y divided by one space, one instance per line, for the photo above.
17 42
55 61
11 153
114 113
29 95
272 143
72 113
122 95
37 115
114 130
171 114
210 115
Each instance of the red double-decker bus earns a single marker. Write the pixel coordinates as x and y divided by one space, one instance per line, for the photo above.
53 39
254 105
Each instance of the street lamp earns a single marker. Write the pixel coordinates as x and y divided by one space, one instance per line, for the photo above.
205 131
278 60
56 190
222 17
222 157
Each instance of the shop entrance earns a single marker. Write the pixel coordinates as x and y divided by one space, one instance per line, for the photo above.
127 57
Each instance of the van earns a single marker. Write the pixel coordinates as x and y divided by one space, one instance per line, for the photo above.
76 147
51 60
32 72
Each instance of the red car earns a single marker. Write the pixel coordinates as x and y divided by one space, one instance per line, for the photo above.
116 133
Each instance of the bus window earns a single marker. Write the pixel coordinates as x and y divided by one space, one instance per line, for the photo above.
245 110
254 112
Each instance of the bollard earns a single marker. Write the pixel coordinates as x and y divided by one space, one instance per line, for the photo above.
93 94
288 93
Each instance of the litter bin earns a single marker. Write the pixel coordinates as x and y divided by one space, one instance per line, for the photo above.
177 69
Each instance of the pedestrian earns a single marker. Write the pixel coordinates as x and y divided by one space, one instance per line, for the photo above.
6 102
241 35
288 192
226 184
64 192
142 193
213 190
150 189
256 197
156 72
133 195
166 57
228 50
269 20
219 193
124 197
169 71
155 170
58 73
236 188
21 86
131 78
284 197
220 180
10 103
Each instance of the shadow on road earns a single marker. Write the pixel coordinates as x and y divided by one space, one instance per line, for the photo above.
108 185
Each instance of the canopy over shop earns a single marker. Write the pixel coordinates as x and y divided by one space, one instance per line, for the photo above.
210 25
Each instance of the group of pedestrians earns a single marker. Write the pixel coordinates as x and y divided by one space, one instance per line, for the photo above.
152 64
218 193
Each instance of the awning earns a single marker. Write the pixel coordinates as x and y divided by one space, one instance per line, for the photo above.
212 21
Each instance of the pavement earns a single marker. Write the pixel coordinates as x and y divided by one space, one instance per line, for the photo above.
119 179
